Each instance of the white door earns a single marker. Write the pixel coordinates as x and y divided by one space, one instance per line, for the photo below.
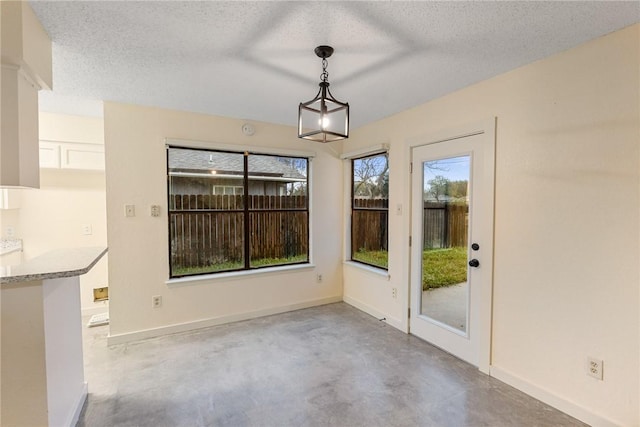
452 245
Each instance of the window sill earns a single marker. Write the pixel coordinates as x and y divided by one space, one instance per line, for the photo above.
234 275
369 269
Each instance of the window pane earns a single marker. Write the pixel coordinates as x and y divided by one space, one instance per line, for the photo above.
279 217
445 288
206 230
370 206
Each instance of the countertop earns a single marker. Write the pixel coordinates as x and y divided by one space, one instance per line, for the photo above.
54 264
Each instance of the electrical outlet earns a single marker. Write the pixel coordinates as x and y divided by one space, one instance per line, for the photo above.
394 292
319 278
156 301
129 210
87 230
155 210
10 232
594 368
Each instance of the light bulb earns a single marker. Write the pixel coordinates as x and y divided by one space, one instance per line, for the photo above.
324 121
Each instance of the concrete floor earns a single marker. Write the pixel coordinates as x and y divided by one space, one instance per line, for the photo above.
326 366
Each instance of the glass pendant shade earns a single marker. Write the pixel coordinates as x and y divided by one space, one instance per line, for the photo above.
324 118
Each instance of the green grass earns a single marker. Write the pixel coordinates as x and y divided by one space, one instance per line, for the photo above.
443 267
377 258
185 271
235 265
440 267
278 261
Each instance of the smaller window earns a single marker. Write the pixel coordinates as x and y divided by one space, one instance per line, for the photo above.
370 210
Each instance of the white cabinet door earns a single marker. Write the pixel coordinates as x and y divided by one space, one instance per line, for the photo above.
82 156
71 155
49 155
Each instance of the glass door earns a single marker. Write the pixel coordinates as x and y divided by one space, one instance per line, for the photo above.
451 251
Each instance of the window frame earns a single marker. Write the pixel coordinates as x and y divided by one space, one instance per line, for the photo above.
245 210
352 208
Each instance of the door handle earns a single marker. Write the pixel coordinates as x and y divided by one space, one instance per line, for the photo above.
474 263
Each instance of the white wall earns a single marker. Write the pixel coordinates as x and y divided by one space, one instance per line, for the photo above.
53 216
69 128
138 247
566 277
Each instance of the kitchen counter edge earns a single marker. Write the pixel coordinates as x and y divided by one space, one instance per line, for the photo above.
55 264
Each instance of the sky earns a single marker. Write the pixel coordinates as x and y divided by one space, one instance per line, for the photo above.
452 168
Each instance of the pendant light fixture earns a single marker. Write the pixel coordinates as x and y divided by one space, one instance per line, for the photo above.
324 118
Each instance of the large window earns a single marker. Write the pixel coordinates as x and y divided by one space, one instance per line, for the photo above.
370 210
235 211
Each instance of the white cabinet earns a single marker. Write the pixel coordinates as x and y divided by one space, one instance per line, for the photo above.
71 155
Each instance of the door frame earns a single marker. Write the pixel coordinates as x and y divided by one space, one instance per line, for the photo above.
487 130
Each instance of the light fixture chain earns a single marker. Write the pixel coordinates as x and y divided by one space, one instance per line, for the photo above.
325 75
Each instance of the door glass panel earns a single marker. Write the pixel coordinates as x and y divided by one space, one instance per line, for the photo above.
445 288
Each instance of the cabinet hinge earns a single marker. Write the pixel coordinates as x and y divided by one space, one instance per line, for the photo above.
409 241
411 167
409 313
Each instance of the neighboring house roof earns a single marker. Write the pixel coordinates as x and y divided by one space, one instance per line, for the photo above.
206 162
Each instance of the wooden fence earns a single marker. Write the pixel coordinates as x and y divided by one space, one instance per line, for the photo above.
445 225
369 230
209 229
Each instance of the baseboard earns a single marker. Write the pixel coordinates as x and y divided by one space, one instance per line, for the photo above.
214 321
75 415
551 399
90 311
396 323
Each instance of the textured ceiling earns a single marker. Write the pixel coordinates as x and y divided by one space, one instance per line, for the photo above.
255 60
